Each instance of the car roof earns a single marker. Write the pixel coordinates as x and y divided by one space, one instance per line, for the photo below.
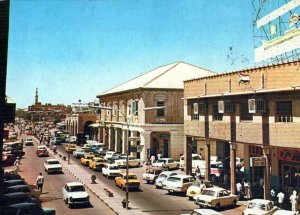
52 160
11 195
263 201
130 173
205 211
41 147
167 172
182 176
215 188
14 180
22 205
18 186
74 184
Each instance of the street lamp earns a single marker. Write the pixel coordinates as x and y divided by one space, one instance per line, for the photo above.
127 120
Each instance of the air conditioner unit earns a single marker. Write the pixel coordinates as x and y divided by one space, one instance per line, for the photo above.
202 107
257 105
225 106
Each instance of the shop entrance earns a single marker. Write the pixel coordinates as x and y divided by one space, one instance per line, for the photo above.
290 177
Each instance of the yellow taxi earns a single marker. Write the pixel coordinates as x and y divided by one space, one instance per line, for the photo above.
86 147
97 163
70 147
133 182
85 160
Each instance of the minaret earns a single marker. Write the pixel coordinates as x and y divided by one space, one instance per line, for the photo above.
36 96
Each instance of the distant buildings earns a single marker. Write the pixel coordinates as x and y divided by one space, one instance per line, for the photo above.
47 112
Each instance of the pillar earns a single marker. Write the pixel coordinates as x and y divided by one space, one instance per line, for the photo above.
187 155
173 145
145 144
233 167
266 175
207 160
117 140
110 138
105 137
124 141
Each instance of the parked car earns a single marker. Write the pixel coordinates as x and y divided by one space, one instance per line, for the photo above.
86 159
97 163
133 182
23 188
284 212
162 177
132 161
41 151
9 183
168 163
11 174
74 194
260 207
28 142
72 139
111 170
16 198
56 141
86 147
203 211
52 165
196 159
12 135
8 159
178 183
70 147
111 156
78 153
28 209
216 197
197 187
151 174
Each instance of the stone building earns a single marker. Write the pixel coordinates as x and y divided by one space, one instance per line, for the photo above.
254 113
155 130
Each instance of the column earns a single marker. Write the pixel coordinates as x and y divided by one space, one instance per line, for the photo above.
117 140
266 174
133 143
207 160
110 138
233 167
105 137
124 141
187 155
145 143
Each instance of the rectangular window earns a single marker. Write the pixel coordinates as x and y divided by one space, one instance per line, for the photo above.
135 107
160 112
217 116
195 111
284 111
244 112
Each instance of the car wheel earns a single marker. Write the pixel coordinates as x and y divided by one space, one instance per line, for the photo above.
147 182
157 187
69 205
191 198
218 206
234 203
168 168
139 164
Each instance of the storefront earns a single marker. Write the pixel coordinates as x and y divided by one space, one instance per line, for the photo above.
289 168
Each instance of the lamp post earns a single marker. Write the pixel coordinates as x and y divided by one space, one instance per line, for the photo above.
127 121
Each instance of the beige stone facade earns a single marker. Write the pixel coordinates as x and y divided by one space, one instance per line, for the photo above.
269 126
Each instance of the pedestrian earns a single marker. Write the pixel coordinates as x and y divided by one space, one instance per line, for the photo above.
159 156
198 172
152 159
247 187
40 182
294 201
273 196
239 190
202 186
200 156
17 163
280 199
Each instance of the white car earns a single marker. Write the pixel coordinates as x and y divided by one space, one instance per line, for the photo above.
52 165
132 161
28 142
216 197
203 211
151 174
260 207
162 177
284 212
111 170
178 183
197 187
196 159
168 163
109 155
74 194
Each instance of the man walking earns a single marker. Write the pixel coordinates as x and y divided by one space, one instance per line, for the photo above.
281 199
40 182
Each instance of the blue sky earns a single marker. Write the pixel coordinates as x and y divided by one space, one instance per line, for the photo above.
77 49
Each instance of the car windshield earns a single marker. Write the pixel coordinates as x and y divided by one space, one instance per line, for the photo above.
76 188
173 179
196 183
257 205
123 158
196 158
208 192
161 161
53 162
99 160
28 139
162 176
114 167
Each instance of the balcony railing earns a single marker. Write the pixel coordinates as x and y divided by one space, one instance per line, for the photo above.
284 118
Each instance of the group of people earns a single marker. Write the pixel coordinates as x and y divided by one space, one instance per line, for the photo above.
243 189
280 200
153 158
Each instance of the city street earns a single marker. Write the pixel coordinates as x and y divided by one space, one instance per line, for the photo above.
148 199
52 191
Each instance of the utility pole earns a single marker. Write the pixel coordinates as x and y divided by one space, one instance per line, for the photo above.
4 24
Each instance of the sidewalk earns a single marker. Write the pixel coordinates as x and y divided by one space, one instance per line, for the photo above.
115 202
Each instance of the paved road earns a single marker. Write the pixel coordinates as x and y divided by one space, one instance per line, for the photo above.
151 200
52 193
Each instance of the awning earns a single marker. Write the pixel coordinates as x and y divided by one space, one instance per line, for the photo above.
94 125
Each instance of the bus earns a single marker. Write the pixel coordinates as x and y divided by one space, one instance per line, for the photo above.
15 148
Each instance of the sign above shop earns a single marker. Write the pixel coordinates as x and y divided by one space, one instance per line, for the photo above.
257 161
290 155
